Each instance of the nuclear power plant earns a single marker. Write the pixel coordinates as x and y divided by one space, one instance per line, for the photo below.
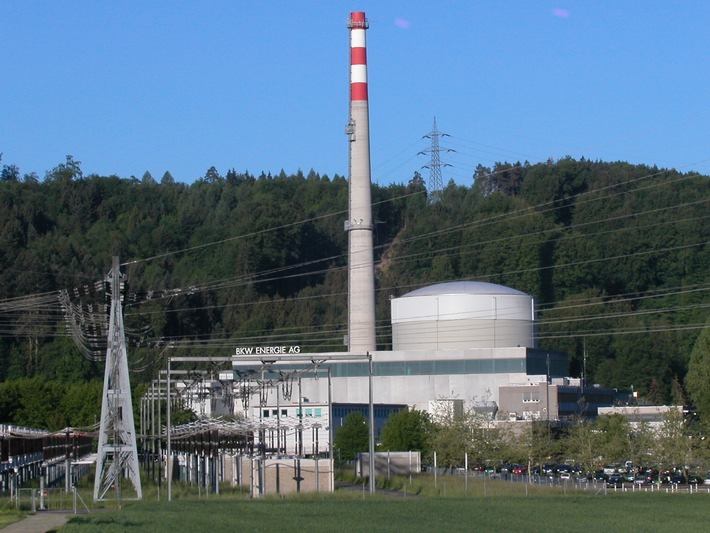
452 343
457 341
454 340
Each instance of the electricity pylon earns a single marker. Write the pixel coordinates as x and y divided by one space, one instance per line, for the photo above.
435 184
117 453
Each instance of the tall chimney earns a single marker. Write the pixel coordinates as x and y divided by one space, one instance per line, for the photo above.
361 273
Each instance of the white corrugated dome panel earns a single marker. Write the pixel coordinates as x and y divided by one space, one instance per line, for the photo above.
462 300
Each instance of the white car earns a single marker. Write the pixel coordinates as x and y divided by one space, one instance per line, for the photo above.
706 481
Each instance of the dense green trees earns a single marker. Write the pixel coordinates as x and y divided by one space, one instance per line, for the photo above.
616 256
35 402
353 437
407 430
698 378
588 444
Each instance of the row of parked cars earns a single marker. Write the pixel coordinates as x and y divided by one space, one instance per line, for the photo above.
650 476
563 471
613 476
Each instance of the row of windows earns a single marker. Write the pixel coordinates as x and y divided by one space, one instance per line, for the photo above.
531 397
309 412
379 412
430 368
535 363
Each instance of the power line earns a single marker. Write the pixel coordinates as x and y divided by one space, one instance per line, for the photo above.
49 299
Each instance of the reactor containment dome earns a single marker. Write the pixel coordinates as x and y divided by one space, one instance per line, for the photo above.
463 314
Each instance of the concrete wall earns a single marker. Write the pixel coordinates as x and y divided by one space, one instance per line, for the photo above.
280 476
529 402
389 464
417 390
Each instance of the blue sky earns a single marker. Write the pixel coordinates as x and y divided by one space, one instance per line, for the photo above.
133 86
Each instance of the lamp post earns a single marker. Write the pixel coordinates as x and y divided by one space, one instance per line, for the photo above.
372 429
547 395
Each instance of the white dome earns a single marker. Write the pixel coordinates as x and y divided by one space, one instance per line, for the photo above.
463 314
463 287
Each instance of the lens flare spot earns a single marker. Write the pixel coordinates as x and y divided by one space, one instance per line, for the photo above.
560 13
402 23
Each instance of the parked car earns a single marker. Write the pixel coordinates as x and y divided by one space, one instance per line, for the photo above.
519 469
505 468
492 472
564 468
549 469
615 481
599 475
641 480
695 480
677 480
565 475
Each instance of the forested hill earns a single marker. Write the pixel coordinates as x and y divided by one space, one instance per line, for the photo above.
616 256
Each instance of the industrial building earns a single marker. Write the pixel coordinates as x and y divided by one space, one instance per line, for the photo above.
558 400
653 416
458 342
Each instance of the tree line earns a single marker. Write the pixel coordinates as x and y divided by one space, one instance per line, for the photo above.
587 444
615 255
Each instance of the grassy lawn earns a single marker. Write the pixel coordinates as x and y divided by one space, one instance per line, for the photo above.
498 506
9 516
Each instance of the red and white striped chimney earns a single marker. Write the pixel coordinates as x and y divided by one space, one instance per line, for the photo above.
361 272
358 56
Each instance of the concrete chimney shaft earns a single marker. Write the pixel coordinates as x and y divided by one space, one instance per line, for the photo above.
361 273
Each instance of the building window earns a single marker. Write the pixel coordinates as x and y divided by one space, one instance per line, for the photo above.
531 397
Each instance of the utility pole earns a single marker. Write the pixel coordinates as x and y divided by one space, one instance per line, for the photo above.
117 452
435 184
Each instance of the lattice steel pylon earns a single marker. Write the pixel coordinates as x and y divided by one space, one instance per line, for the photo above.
435 184
117 452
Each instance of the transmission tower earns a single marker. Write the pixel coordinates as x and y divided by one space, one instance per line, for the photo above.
435 184
117 453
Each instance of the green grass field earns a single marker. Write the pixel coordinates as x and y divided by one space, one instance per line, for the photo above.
497 506
9 515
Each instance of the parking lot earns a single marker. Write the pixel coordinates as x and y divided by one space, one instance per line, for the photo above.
569 478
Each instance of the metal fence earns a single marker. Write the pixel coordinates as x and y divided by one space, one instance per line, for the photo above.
33 500
572 483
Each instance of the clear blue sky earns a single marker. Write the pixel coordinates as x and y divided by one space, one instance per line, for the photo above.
133 86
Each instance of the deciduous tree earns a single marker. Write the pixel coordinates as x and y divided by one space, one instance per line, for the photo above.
353 437
407 430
